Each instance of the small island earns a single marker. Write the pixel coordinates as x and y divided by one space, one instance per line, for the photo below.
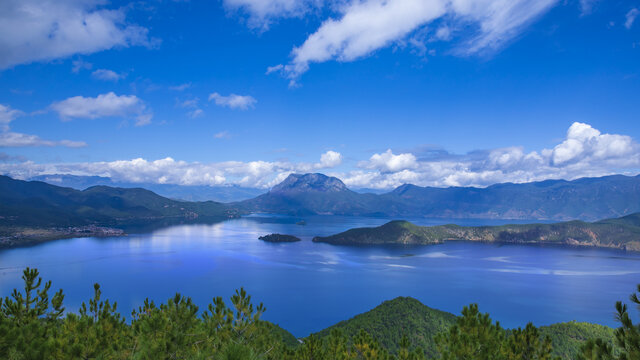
277 238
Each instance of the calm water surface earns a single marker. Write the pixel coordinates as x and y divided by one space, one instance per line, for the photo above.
307 287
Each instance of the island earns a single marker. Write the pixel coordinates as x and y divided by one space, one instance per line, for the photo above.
619 233
277 238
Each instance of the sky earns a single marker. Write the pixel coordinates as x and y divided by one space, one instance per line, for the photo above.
376 92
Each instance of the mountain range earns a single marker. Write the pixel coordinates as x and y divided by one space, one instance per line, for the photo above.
173 191
586 199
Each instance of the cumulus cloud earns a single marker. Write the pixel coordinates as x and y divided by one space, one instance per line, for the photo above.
388 162
107 75
631 18
14 139
104 105
261 174
330 159
38 30
585 151
362 27
233 101
584 143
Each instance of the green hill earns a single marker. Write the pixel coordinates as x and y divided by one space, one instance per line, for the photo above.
393 232
621 233
392 319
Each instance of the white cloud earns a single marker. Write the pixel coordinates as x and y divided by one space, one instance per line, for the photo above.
80 65
586 6
584 152
263 12
330 159
584 143
7 115
261 174
233 101
104 105
195 113
631 17
388 162
498 20
181 87
222 135
40 30
14 139
107 75
364 26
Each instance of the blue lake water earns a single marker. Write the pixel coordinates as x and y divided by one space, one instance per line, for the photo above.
307 286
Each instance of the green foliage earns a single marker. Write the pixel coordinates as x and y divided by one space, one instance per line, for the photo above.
627 337
569 337
475 336
392 320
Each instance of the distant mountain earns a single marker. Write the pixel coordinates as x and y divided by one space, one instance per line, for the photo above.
172 191
585 199
38 204
310 194
621 233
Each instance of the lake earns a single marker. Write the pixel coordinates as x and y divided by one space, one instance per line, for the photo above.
307 287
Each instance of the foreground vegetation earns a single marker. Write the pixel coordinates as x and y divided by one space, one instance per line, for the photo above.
621 233
34 325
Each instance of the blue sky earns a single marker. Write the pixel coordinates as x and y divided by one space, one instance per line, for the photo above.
379 93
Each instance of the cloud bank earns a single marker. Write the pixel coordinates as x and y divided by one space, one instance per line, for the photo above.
260 174
584 151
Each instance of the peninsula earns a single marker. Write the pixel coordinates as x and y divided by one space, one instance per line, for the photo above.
620 233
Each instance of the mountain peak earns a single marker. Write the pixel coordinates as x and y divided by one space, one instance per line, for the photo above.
309 182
